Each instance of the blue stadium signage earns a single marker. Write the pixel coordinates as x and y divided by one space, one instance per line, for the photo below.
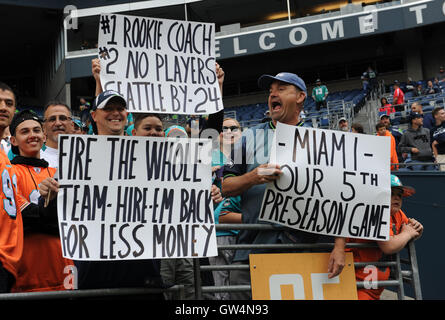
377 21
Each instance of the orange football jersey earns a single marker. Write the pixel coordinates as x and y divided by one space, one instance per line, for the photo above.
42 267
374 255
11 227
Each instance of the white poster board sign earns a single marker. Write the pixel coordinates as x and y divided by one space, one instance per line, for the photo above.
333 183
125 198
160 65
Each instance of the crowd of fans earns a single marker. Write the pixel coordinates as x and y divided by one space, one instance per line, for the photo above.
30 253
420 145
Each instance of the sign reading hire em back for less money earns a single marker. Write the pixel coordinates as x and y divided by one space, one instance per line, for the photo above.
125 198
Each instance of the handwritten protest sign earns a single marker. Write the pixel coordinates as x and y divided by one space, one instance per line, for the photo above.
135 198
160 65
333 183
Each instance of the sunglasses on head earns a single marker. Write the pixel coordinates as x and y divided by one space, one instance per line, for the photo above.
232 128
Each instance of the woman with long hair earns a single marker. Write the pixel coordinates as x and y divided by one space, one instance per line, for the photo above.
385 106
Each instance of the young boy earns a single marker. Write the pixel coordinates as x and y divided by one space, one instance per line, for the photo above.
41 267
148 125
382 132
402 230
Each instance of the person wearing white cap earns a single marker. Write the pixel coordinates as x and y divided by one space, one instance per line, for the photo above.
343 124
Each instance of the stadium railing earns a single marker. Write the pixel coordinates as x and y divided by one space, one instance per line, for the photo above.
407 166
428 102
230 114
398 277
177 290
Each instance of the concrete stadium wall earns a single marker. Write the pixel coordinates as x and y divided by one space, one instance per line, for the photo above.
56 89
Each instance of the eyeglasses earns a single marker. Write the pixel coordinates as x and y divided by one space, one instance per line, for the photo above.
232 128
61 118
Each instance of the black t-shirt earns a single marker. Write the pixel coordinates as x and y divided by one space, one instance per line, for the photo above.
438 134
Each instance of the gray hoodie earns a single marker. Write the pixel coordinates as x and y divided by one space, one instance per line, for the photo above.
419 139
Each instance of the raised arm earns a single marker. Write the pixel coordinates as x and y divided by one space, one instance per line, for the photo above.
215 120
95 70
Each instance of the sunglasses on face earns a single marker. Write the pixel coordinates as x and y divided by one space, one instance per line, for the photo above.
232 128
397 193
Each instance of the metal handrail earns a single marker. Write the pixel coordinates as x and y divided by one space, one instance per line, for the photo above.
402 276
89 293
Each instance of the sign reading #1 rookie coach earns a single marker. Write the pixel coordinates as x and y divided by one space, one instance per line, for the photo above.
125 198
333 183
160 65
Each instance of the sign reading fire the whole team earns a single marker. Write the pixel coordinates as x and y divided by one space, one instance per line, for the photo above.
333 183
127 198
160 65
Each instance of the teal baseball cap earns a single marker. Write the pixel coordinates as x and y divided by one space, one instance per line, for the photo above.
78 123
407 190
176 132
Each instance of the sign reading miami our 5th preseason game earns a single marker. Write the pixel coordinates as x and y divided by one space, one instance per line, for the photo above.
160 65
333 183
127 198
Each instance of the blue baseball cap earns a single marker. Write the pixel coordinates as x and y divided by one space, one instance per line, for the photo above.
102 99
266 80
396 183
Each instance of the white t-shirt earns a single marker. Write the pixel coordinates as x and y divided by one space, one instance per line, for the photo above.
5 145
51 155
